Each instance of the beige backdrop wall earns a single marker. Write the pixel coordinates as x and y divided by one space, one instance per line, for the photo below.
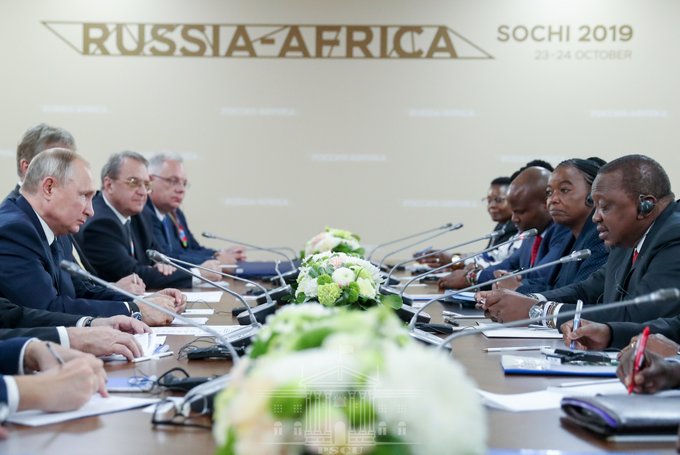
372 139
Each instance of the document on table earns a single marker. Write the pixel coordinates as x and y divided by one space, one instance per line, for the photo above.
549 398
198 312
198 296
96 406
195 331
201 321
520 332
153 346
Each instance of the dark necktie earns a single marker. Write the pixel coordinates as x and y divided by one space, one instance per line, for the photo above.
57 257
167 229
128 230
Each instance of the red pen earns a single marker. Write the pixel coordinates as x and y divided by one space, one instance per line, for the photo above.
639 358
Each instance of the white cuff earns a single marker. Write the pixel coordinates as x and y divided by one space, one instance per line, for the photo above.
12 394
63 337
20 370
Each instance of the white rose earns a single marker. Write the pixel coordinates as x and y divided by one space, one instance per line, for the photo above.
343 276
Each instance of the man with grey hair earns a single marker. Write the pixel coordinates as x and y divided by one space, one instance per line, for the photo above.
170 228
56 200
35 140
38 139
116 238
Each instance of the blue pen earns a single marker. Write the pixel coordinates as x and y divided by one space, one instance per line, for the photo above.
577 321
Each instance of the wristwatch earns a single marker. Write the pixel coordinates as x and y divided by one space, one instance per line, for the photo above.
136 315
536 310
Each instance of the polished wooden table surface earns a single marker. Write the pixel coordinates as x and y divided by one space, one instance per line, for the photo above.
132 432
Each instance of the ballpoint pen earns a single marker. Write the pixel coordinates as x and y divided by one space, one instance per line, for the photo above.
577 321
54 353
639 358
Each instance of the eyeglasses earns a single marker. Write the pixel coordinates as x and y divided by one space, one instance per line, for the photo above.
174 181
134 183
494 200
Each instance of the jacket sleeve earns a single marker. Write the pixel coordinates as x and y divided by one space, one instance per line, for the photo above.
26 281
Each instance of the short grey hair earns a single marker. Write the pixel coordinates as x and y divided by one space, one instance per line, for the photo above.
112 167
38 138
56 163
156 162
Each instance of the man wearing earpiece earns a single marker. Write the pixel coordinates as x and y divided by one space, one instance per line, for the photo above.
637 217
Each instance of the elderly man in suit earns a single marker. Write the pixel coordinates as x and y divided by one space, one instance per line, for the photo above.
38 139
56 200
637 217
170 227
117 237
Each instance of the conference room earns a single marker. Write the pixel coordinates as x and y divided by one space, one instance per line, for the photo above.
330 166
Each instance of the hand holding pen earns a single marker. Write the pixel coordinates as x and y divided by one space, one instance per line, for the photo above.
638 358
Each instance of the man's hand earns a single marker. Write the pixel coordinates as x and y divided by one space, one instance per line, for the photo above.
589 336
511 283
436 260
164 269
215 266
655 375
502 305
154 317
132 283
659 344
231 255
454 280
122 323
178 298
37 356
63 388
103 341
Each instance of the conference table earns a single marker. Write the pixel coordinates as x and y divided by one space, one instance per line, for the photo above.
132 431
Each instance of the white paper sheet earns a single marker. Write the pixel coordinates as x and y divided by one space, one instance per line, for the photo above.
549 398
521 332
195 331
96 406
201 321
205 296
198 312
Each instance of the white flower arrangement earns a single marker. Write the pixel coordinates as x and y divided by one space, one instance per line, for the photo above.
334 240
349 395
339 279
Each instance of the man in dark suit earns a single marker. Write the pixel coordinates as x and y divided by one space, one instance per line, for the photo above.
67 381
637 218
116 238
526 196
56 200
44 137
169 225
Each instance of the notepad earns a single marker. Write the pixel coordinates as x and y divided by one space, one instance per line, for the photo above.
153 346
96 406
201 321
520 332
514 364
195 331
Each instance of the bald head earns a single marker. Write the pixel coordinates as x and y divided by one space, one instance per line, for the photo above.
526 196
530 183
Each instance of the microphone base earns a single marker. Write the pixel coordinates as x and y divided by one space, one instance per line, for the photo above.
243 335
428 338
386 290
275 294
406 313
261 312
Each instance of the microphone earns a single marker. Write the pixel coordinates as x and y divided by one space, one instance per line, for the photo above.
241 313
451 227
656 296
408 237
75 270
522 236
429 338
275 250
160 257
493 235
